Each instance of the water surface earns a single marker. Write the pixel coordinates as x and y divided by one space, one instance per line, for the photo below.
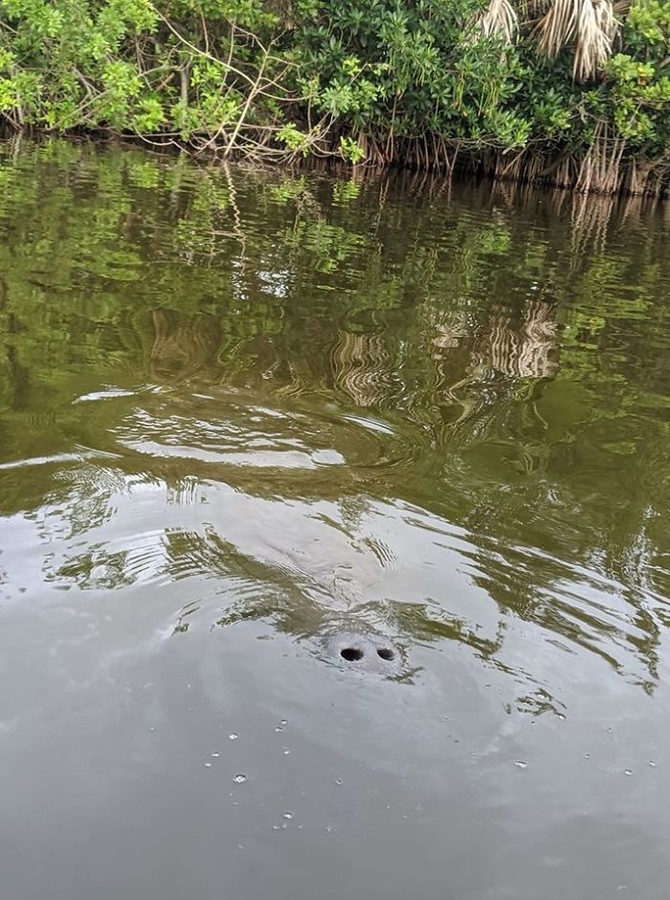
244 413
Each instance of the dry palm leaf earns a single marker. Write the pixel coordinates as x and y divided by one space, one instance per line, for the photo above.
500 20
590 24
595 30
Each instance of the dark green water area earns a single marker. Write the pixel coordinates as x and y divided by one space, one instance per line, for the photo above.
334 536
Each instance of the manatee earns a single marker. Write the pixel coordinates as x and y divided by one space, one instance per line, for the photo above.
366 651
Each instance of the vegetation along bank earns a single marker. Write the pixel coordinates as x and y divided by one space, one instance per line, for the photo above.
572 93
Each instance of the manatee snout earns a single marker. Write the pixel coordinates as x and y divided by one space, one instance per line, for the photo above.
365 651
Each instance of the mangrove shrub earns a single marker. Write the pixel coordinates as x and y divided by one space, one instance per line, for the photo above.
570 92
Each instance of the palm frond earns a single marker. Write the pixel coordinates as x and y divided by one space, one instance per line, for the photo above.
593 40
589 24
500 20
557 27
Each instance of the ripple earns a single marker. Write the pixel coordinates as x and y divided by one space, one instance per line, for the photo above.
53 459
234 430
106 394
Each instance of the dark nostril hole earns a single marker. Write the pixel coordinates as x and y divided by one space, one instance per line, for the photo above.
351 654
385 653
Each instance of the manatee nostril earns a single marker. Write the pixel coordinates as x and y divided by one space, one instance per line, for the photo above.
364 651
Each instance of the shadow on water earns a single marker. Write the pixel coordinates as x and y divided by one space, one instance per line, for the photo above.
404 434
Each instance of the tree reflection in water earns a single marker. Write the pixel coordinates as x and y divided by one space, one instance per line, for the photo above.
395 387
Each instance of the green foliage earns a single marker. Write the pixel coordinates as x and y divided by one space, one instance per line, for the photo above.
293 139
381 80
407 70
350 150
641 78
133 65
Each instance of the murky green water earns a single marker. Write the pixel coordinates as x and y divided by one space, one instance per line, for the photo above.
249 420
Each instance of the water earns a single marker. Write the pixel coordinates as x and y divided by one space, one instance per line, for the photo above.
248 419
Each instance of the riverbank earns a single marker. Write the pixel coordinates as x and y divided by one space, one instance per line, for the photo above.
571 95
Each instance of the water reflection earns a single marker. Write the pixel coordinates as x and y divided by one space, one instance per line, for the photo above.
403 414
248 421
299 515
182 348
